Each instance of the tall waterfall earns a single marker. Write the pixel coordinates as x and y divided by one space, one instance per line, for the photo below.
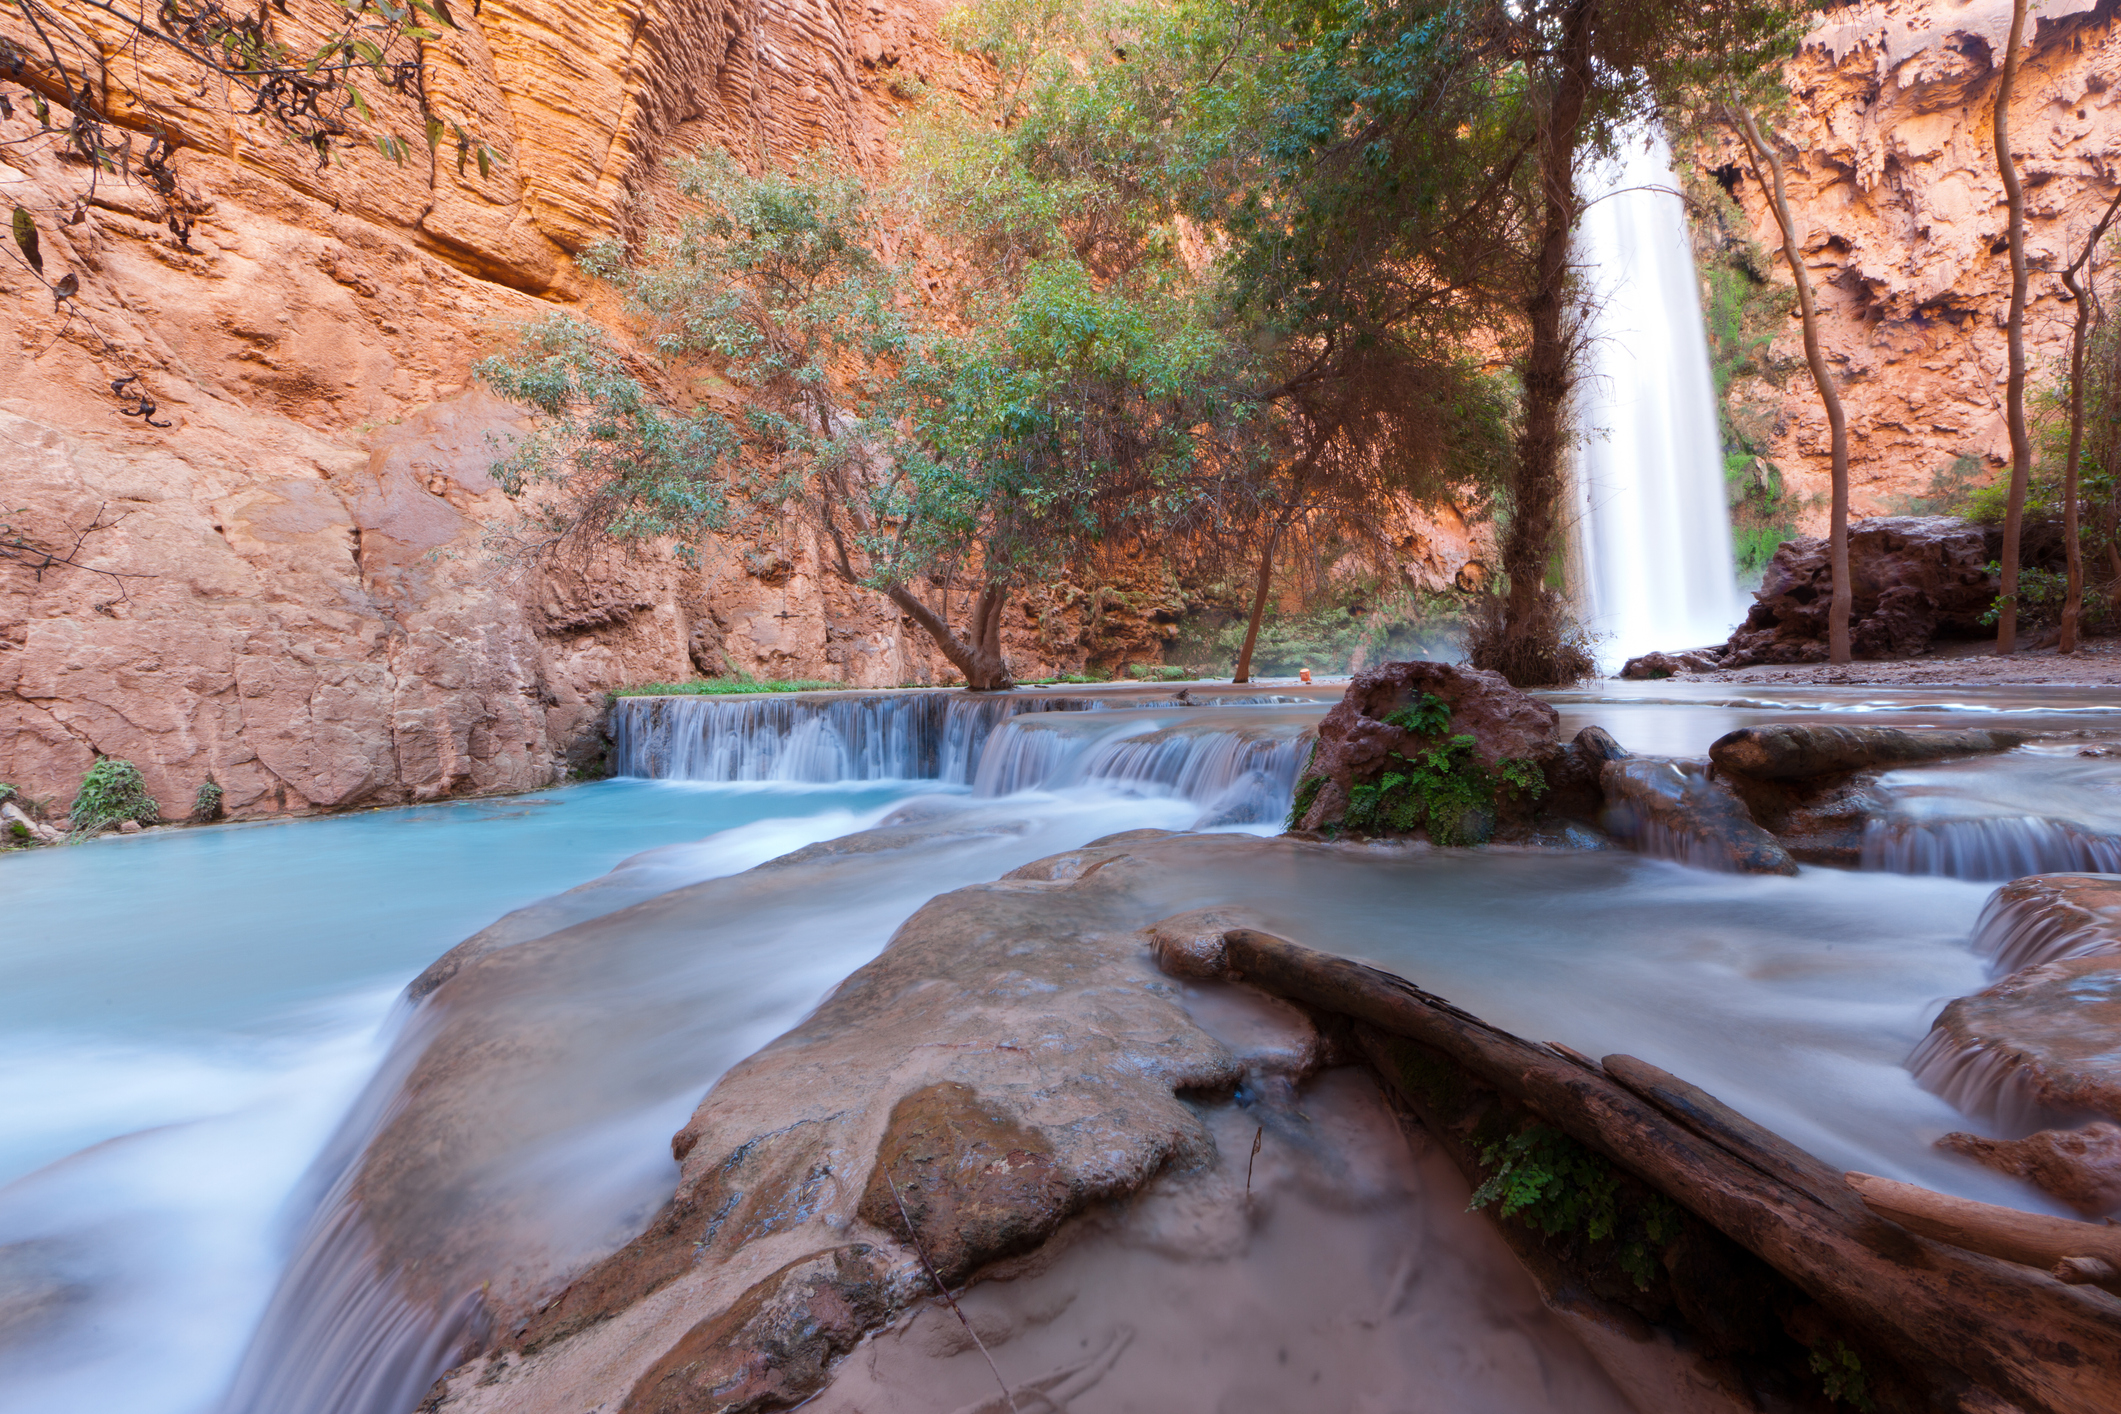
1653 537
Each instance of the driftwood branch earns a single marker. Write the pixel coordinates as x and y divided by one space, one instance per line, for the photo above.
2012 1330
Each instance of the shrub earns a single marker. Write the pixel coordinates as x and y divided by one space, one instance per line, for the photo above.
112 792
206 805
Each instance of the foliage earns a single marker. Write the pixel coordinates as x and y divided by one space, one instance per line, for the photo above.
206 805
1841 1373
1443 789
2040 596
612 462
1157 672
1741 310
1556 1186
1359 621
1559 651
1306 796
111 792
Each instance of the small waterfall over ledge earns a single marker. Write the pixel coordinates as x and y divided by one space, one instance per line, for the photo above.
1653 537
1226 754
880 736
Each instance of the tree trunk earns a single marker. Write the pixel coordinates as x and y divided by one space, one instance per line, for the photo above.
2014 388
1966 1317
1259 606
2080 330
978 655
1536 496
1837 615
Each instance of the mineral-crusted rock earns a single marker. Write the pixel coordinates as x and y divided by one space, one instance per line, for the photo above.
1913 579
1673 810
1354 740
2082 1167
1574 788
1009 1059
2041 1042
1788 752
2047 917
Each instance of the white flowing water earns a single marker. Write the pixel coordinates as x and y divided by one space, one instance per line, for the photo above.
1653 536
188 1019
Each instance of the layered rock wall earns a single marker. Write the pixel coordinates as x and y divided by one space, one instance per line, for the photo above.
286 580
1900 210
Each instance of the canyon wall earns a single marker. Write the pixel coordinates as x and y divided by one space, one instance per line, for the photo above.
288 577
1891 161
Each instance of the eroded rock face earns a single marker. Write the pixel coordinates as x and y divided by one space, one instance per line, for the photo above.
2044 1038
1913 578
1356 743
1900 220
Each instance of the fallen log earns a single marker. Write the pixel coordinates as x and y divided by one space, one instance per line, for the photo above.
1980 1328
2077 1253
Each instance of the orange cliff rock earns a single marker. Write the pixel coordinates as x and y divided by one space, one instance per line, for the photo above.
287 588
1900 215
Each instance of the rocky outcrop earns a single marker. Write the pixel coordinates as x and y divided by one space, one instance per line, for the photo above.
1912 579
1399 712
2043 1045
1901 221
287 579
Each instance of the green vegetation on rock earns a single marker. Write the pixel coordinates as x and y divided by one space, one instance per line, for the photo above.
1555 1185
112 792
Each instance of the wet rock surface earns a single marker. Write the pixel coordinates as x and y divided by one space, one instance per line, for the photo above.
2082 1167
1785 752
2047 917
1673 810
1011 1058
2043 1038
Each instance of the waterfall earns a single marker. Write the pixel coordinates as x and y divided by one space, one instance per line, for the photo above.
1992 847
1239 762
910 736
1245 774
1652 533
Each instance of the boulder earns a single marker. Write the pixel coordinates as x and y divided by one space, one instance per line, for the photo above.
1574 791
2082 1167
1787 752
1357 744
1664 665
1673 810
1913 579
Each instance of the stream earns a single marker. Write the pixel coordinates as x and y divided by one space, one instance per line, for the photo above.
196 1025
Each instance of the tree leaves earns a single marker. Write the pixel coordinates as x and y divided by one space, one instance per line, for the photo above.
26 238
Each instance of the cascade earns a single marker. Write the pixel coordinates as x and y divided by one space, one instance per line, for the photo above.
1652 536
910 736
1992 848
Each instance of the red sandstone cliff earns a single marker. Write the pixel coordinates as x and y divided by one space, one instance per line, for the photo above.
1901 218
